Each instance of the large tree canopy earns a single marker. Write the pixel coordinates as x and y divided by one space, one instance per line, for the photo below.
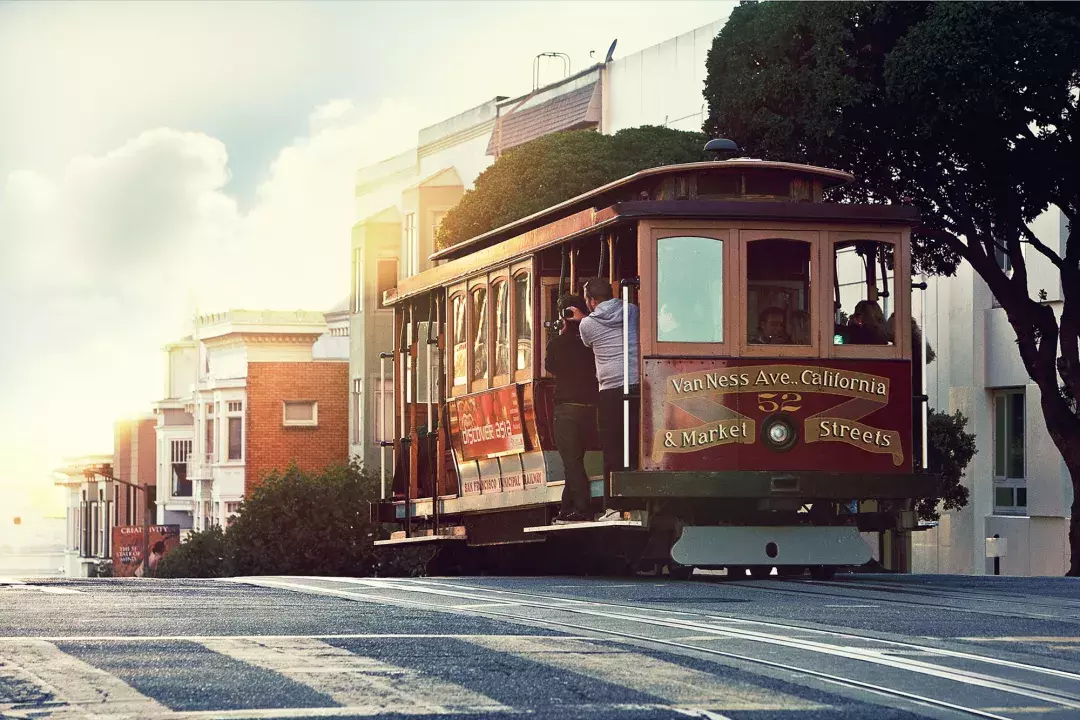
968 110
557 167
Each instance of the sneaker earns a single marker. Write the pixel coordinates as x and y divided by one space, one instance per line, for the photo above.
609 515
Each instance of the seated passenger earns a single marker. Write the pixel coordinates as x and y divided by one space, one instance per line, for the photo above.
771 328
867 325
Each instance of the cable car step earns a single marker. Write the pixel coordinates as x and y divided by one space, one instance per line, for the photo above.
426 536
594 525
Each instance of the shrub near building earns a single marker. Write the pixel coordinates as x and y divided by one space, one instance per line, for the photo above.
292 523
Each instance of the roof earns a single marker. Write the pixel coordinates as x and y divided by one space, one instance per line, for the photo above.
595 198
447 177
577 109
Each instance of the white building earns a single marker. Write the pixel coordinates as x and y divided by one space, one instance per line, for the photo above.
1020 487
176 435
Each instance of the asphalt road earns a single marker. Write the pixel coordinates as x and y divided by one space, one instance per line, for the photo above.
877 646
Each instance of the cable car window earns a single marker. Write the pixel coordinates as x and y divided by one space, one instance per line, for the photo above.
478 324
501 291
523 320
461 342
862 293
690 290
778 302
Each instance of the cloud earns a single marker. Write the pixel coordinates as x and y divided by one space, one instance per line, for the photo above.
108 259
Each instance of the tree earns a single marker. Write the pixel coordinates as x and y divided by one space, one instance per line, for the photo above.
949 450
557 167
968 110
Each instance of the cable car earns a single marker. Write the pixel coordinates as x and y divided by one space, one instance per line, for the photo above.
776 419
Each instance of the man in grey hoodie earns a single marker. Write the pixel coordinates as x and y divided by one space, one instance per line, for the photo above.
602 331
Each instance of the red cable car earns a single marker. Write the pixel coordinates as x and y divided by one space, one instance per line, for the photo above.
777 386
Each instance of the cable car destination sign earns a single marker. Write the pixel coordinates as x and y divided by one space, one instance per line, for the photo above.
778 389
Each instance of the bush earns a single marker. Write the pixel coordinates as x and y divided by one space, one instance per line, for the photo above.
294 523
201 555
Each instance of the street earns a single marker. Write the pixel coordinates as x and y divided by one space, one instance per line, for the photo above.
866 646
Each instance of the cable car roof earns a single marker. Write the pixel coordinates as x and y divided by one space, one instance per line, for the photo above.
597 197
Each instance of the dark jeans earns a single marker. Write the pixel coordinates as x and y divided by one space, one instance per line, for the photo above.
610 426
572 424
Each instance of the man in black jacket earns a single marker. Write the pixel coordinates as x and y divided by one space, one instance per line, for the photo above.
576 395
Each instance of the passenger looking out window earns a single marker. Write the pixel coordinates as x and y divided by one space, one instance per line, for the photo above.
864 275
778 292
772 328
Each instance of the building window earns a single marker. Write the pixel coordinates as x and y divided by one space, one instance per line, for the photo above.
358 280
387 279
235 407
1004 260
1010 469
358 410
236 438
210 439
181 451
690 290
382 411
412 245
436 221
300 413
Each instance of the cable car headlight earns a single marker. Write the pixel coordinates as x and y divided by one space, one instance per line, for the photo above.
778 433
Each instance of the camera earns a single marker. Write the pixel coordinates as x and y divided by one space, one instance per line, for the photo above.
556 325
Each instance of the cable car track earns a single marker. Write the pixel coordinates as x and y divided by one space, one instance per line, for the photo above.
914 603
494 608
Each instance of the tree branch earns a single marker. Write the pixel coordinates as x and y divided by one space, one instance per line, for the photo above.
1036 243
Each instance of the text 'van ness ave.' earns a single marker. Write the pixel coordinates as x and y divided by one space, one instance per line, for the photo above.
766 379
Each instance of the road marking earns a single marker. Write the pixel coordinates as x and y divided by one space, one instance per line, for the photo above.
48 589
200 638
868 655
84 689
642 673
1033 639
356 680
851 606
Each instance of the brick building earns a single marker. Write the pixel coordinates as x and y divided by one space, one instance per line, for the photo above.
270 390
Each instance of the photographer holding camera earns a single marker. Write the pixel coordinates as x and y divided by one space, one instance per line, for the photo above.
576 395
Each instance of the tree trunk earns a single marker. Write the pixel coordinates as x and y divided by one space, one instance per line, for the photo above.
1074 526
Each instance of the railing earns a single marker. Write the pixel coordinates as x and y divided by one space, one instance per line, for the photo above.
199 467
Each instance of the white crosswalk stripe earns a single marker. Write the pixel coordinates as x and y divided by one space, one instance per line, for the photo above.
79 690
676 684
366 686
354 680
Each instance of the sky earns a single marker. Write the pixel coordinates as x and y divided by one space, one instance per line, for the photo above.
159 159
